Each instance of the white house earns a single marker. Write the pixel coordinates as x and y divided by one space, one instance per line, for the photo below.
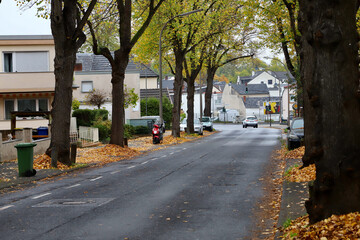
94 72
276 83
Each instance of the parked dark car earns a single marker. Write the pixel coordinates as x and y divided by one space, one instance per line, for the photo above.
295 136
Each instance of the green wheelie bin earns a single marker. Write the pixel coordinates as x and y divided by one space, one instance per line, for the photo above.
25 152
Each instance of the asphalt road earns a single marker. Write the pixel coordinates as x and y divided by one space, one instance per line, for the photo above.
198 190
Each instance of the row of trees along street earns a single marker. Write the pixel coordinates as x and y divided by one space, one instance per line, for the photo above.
318 38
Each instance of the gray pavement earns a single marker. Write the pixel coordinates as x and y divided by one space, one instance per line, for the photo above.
183 192
197 190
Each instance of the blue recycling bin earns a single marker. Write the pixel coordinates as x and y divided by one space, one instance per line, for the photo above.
42 131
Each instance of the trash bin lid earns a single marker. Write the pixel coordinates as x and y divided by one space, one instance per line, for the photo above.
25 145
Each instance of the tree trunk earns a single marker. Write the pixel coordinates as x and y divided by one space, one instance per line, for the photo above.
63 25
208 94
61 106
178 84
190 105
329 69
118 98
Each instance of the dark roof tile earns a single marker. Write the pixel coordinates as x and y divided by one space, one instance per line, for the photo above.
252 89
91 62
253 102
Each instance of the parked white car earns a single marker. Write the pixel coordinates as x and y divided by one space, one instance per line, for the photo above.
198 126
250 121
207 123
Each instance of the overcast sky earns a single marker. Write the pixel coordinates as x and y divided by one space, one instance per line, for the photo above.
13 21
16 22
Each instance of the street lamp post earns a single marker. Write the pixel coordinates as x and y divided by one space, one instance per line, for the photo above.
160 61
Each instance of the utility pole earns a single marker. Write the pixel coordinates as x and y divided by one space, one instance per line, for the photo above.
200 96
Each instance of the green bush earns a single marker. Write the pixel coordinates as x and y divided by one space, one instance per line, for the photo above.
104 132
100 113
75 104
141 130
129 131
151 108
104 129
87 117
84 117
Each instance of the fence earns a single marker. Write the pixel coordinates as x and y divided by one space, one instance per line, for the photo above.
8 150
86 136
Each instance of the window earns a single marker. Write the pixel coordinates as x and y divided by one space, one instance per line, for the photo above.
43 105
86 86
8 62
218 100
27 105
269 81
9 106
26 62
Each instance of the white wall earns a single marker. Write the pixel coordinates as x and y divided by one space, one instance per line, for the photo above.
233 101
264 77
196 103
285 102
148 83
102 81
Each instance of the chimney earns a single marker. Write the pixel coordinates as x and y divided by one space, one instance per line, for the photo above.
252 73
78 67
238 80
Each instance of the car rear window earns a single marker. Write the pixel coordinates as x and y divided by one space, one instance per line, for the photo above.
298 124
251 118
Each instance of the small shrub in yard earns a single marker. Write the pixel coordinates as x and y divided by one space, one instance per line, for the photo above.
88 117
141 130
104 129
100 113
104 132
83 117
129 131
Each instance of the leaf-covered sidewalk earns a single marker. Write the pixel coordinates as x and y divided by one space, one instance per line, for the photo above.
336 227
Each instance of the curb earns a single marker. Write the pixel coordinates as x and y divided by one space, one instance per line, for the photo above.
41 174
293 199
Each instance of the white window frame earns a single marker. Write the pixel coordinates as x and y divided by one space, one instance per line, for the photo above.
84 82
15 106
12 61
38 104
13 53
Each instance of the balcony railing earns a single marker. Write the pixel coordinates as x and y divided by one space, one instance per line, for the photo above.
27 82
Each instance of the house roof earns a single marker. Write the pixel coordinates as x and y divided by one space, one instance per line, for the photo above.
91 62
220 85
252 89
277 74
253 102
154 93
169 84
245 79
284 76
26 37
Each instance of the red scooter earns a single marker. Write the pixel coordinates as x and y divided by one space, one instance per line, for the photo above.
157 134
